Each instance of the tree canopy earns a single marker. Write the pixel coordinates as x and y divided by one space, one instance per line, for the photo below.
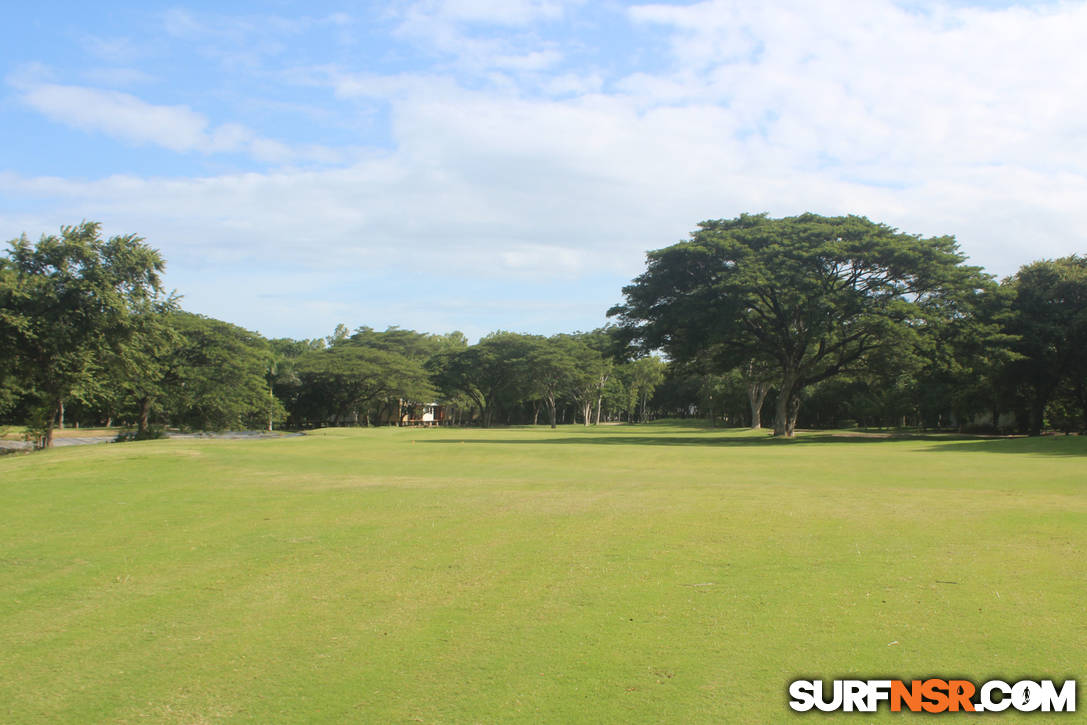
810 295
68 302
1049 321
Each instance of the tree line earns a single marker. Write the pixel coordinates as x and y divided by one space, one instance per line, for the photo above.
825 321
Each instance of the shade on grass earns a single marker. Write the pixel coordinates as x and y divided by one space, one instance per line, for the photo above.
611 574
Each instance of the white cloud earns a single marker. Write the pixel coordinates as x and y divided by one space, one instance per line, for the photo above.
574 84
178 128
459 28
117 76
247 43
537 60
120 115
113 49
875 84
484 186
492 12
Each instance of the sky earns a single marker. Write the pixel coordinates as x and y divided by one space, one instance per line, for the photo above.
478 165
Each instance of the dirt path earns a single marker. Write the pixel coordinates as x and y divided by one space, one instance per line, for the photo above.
13 445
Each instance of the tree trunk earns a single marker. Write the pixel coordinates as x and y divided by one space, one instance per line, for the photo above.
784 423
756 396
1082 394
551 410
781 413
60 416
599 403
794 410
536 413
145 414
47 434
1037 415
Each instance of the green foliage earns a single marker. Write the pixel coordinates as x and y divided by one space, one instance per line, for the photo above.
140 374
644 375
418 346
144 434
69 304
813 296
360 376
560 366
1048 317
493 373
218 376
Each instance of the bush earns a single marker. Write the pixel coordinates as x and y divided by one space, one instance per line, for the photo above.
151 434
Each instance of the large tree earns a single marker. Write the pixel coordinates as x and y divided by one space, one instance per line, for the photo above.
644 375
813 295
1049 318
67 305
217 375
491 373
564 366
140 373
349 380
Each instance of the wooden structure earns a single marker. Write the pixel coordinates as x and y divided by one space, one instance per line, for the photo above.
426 415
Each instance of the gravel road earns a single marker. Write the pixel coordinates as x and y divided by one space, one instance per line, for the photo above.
11 445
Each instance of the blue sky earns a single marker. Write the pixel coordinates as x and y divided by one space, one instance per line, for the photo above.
505 164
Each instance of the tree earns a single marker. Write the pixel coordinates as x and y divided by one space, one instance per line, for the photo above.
66 304
142 370
954 373
1049 318
561 366
491 373
218 375
812 294
645 375
282 374
604 346
588 369
348 379
757 377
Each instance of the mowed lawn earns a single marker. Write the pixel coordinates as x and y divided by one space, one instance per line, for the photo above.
614 574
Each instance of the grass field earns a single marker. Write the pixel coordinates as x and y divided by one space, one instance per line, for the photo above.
612 574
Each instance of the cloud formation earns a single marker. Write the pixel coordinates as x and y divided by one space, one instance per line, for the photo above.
509 161
127 118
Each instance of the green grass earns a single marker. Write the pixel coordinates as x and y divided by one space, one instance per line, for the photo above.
613 574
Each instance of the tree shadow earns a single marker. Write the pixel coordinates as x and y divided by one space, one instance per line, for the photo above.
1049 445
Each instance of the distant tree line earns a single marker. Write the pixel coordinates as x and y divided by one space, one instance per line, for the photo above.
826 322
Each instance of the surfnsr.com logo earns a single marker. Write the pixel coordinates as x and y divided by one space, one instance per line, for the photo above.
933 695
